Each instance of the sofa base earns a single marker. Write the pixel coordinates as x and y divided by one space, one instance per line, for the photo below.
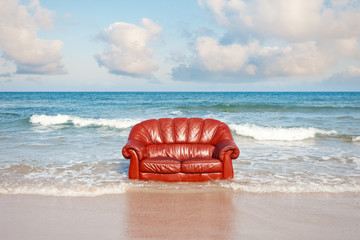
181 177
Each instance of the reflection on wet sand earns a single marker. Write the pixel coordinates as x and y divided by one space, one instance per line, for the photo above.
204 215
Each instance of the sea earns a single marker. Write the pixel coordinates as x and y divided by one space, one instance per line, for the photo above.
70 143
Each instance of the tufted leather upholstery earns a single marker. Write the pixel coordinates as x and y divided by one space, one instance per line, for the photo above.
180 149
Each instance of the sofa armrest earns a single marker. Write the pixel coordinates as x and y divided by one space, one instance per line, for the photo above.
225 146
135 145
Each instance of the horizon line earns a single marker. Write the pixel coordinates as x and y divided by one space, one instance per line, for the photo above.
325 91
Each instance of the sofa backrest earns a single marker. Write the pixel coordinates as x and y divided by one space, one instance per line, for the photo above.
179 151
181 130
183 137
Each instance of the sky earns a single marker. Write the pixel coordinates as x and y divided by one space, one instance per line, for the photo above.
180 45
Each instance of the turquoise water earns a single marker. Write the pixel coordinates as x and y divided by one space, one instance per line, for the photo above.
70 143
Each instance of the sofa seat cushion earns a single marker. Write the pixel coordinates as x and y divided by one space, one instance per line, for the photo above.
201 165
160 165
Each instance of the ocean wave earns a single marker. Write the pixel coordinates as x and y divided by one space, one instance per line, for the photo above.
120 187
75 179
64 191
233 108
9 114
110 177
306 187
356 139
176 113
278 133
293 182
68 179
248 130
46 120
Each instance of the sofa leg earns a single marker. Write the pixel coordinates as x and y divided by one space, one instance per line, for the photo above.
134 165
228 167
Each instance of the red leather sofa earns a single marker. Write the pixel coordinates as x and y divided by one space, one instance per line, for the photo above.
180 149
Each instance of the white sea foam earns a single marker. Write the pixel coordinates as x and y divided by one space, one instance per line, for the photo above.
69 179
64 191
103 178
124 186
293 183
356 139
46 120
176 113
291 188
278 133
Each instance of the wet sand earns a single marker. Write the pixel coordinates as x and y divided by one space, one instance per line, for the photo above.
222 214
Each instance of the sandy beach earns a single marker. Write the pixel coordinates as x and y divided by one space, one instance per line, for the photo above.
222 214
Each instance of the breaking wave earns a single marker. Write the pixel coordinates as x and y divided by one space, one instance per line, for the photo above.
46 120
247 130
356 139
278 133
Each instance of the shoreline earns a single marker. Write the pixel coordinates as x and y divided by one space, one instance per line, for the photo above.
202 214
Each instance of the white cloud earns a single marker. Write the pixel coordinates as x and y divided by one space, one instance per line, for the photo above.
293 20
252 60
350 74
276 38
339 3
297 59
343 47
348 80
217 58
19 42
354 71
128 53
303 58
225 12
